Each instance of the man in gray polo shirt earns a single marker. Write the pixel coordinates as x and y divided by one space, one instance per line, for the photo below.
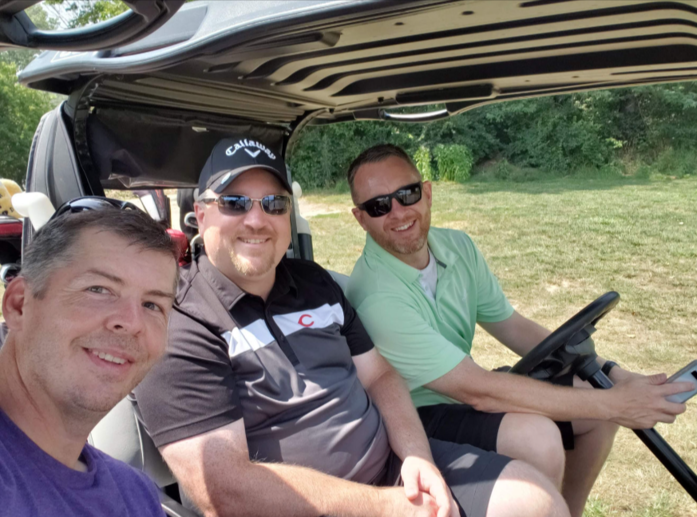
271 398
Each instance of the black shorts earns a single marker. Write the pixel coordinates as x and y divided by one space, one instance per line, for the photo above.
470 473
461 423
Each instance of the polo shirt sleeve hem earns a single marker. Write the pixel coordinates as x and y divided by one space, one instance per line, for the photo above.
454 358
509 312
189 431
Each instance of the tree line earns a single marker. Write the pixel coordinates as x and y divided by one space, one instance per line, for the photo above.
636 131
631 131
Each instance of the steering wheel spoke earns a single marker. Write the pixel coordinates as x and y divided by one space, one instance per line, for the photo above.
570 346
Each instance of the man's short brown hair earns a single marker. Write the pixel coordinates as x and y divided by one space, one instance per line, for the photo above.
53 246
376 154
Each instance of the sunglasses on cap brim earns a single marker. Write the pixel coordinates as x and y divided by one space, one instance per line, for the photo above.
239 205
382 205
82 204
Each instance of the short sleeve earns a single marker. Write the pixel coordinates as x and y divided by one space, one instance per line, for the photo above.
192 390
492 304
414 348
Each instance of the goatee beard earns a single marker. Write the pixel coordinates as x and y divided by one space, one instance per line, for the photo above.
249 268
416 244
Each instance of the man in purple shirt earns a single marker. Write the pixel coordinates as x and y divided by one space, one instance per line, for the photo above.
84 322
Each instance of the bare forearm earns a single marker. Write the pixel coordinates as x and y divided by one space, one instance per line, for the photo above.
404 429
269 489
497 392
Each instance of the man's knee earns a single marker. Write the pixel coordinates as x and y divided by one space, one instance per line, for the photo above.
523 491
534 439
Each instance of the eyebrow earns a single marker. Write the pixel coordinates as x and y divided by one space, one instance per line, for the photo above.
118 280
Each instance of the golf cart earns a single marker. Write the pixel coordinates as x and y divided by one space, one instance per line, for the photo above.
145 113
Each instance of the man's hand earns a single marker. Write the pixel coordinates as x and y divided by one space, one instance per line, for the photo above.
395 504
639 402
618 375
421 478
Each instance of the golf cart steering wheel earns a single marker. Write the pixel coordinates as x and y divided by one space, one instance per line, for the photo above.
568 346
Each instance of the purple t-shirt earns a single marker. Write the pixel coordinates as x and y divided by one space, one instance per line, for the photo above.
32 483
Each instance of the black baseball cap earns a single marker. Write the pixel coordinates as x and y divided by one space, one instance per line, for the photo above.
232 156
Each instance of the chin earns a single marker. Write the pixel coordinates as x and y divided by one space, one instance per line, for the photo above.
99 402
252 268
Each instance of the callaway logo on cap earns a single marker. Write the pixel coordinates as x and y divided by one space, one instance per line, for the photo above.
232 156
246 144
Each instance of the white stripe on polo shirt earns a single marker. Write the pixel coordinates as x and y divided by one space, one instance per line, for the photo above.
252 337
318 318
257 334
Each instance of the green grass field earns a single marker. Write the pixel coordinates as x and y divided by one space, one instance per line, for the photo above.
557 245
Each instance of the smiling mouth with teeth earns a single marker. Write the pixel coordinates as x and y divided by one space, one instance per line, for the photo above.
109 357
253 241
405 227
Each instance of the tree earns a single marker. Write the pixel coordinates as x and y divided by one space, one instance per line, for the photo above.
22 109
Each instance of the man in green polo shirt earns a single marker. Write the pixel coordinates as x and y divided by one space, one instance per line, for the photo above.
420 291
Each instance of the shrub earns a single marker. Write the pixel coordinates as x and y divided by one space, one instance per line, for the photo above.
675 162
422 159
454 162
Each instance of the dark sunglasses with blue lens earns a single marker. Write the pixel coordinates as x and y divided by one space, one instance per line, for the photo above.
238 205
381 205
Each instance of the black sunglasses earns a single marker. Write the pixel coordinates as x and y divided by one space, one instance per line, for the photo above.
81 204
381 205
238 205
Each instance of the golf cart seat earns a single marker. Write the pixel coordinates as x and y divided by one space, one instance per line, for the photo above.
340 279
121 435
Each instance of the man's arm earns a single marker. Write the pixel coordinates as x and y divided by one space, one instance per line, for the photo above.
521 335
404 430
638 403
391 396
215 472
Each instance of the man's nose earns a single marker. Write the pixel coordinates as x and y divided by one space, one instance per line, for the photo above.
255 218
127 317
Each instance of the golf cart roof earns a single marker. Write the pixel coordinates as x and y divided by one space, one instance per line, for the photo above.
284 63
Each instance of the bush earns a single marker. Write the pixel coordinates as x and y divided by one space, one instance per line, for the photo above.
676 162
454 162
422 159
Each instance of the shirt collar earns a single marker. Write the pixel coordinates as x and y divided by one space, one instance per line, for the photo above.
284 282
228 292
444 257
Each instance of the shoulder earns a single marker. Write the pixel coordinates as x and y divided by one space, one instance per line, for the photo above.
451 238
134 484
310 277
122 473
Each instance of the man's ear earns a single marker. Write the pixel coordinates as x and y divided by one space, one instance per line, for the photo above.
428 192
16 294
359 214
200 213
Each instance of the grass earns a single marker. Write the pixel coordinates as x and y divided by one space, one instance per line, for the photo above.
555 246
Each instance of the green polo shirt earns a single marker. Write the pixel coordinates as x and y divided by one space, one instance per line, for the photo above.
422 338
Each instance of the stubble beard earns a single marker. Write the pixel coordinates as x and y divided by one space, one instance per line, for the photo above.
412 246
78 398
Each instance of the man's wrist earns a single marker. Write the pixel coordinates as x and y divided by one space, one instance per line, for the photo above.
608 367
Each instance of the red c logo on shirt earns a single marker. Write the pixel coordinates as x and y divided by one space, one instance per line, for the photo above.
300 321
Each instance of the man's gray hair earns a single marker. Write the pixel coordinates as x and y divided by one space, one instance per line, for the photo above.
53 246
376 154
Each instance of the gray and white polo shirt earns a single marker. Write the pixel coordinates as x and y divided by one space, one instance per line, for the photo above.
284 366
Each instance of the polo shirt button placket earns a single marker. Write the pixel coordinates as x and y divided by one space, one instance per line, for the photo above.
280 338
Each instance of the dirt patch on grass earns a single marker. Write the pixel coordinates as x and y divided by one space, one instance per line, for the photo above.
310 209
